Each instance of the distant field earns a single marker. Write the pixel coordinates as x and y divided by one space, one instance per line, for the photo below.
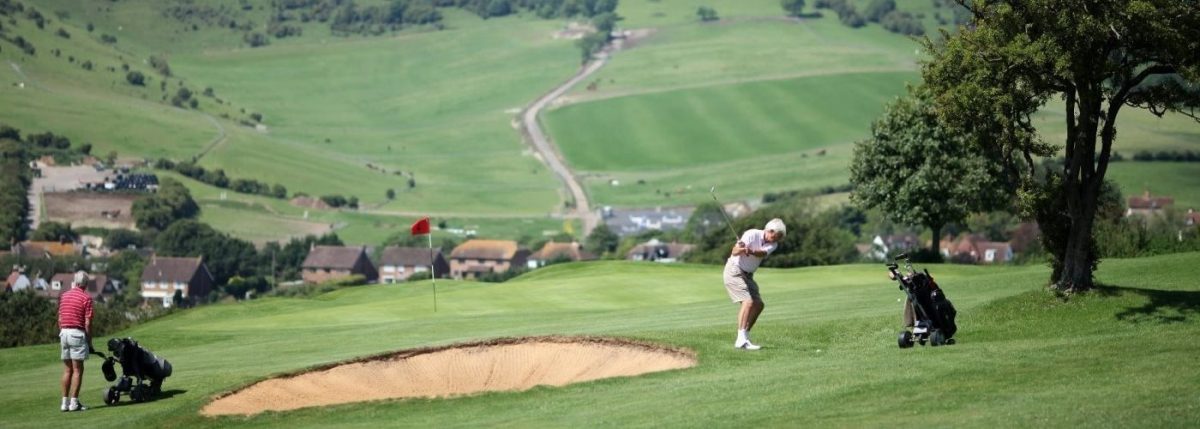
261 219
1118 357
1180 180
692 55
1137 129
717 124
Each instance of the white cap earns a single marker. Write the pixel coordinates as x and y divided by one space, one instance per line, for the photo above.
777 226
80 278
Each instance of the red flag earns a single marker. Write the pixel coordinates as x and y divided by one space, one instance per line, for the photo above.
421 227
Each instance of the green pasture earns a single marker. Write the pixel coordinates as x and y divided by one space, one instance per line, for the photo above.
262 219
687 128
694 55
1114 358
1137 130
744 180
1180 180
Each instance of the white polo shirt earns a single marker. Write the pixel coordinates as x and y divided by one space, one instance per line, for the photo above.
755 241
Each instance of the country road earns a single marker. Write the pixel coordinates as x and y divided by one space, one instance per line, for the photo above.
549 153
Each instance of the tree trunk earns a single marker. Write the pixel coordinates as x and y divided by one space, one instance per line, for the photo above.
1081 187
1079 257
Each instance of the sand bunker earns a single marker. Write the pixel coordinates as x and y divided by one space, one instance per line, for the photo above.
508 364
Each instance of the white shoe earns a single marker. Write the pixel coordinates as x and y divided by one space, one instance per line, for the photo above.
78 406
745 345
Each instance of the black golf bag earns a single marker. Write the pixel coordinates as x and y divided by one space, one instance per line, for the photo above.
142 373
933 313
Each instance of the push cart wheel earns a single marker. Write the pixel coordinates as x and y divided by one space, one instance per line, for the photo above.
111 396
905 340
937 338
138 393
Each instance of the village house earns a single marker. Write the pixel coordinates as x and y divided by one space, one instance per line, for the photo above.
883 245
474 258
1191 218
1147 205
331 263
396 264
99 286
975 249
658 251
163 277
557 252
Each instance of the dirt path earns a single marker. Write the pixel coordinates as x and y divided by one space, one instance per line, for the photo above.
531 131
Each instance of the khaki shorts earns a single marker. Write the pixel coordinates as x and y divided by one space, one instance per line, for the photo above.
74 344
740 284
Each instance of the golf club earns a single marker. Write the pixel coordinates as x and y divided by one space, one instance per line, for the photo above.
713 192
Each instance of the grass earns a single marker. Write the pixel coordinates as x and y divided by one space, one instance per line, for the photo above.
688 128
1114 358
1180 180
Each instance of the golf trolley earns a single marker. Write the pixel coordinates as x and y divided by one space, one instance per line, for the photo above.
142 372
932 314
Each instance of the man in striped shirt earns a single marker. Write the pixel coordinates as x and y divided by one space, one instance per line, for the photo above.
75 337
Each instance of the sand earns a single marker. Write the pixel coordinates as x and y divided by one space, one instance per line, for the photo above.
507 364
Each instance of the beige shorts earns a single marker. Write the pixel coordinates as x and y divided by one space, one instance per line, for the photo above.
740 285
74 344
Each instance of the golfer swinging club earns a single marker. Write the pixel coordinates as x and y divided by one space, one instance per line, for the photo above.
749 251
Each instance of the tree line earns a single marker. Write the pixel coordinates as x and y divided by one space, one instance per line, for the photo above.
218 178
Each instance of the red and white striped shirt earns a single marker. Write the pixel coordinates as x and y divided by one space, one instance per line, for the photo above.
75 310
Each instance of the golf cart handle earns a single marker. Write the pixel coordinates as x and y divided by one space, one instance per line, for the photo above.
901 256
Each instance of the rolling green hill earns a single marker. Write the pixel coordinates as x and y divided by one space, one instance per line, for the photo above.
688 106
1112 358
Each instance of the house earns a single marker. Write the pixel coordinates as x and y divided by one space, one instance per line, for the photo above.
556 252
1146 204
1192 218
636 221
164 276
46 249
99 286
658 251
474 258
976 249
16 280
396 264
884 245
328 263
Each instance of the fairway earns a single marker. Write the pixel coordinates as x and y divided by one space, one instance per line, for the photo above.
722 123
1113 358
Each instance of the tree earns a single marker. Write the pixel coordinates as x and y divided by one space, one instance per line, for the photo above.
792 7
53 231
878 9
707 14
391 194
605 22
172 202
602 240
919 172
135 78
1098 56
705 219
590 44
224 256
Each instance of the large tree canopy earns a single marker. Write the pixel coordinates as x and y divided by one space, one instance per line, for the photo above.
921 173
1098 56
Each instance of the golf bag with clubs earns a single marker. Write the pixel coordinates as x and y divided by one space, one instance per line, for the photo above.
142 373
932 313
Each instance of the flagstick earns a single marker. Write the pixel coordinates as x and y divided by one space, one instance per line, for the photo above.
433 271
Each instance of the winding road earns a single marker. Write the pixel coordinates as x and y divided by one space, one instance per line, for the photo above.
533 134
